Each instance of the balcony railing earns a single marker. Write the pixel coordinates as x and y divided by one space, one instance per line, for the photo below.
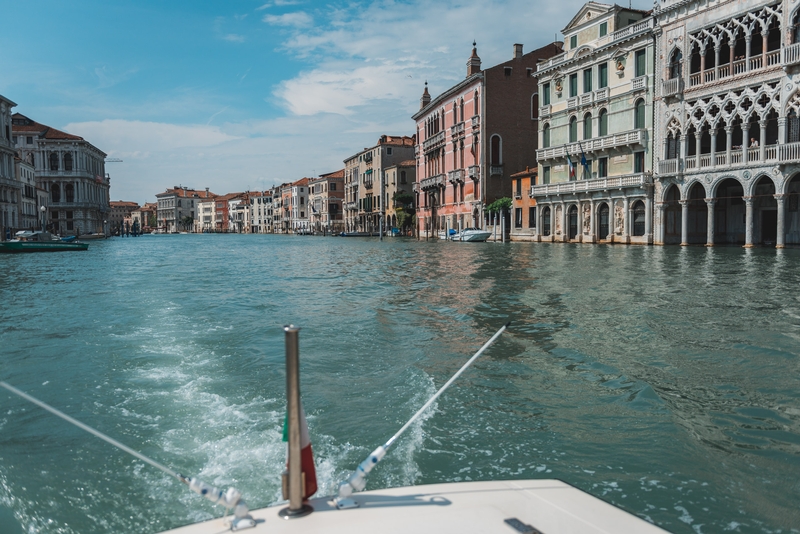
782 153
584 186
457 129
456 175
633 29
743 66
433 181
474 172
671 87
640 83
572 102
791 54
476 121
585 99
631 137
434 141
544 111
601 94
350 206
496 170
668 166
367 184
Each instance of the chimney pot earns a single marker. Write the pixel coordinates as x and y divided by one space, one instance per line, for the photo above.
517 51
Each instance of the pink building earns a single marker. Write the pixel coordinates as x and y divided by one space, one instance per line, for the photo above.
468 145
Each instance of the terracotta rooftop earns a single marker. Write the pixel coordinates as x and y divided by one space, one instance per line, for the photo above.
396 140
22 124
301 181
524 174
335 174
408 163
184 192
123 204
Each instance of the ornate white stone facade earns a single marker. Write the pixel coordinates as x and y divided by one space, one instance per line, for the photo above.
726 127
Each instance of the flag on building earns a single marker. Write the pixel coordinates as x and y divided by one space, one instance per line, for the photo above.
306 454
585 165
571 166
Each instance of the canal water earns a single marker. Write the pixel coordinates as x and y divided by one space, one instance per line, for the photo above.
665 380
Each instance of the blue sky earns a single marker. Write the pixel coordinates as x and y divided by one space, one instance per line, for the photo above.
242 95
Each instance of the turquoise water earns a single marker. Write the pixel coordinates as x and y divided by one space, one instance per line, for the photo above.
662 379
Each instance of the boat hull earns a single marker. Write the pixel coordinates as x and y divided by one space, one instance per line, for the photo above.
17 247
547 506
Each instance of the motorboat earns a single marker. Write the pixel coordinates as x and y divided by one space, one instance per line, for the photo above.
39 242
96 235
475 235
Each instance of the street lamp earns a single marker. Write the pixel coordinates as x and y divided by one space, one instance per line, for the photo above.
43 210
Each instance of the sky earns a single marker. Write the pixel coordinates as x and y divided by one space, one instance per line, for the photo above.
242 95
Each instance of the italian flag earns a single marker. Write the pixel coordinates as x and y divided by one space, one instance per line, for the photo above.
306 455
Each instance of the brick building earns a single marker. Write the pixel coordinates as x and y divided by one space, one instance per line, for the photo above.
468 146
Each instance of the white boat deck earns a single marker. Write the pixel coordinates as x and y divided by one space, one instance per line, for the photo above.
533 506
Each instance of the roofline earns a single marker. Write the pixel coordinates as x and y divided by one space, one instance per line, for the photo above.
443 96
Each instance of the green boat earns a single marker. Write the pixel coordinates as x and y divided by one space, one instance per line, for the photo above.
39 242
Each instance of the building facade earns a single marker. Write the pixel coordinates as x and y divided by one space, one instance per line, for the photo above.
326 195
261 212
72 170
146 216
473 137
727 132
119 212
398 196
177 208
10 187
30 218
595 161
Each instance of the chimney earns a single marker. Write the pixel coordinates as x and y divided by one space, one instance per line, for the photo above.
517 51
426 98
474 62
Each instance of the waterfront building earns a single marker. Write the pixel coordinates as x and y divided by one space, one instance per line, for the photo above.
727 131
286 208
523 206
261 212
594 180
238 213
277 209
119 212
398 194
30 218
146 216
298 201
205 220
325 197
222 216
10 187
72 170
177 208
365 180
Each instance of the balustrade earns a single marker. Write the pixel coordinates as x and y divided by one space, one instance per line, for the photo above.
671 87
640 83
572 103
601 94
474 172
631 137
788 56
583 186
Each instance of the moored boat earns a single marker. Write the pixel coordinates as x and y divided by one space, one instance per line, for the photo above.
475 235
39 242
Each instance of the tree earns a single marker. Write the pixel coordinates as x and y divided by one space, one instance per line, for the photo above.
187 222
499 205
405 210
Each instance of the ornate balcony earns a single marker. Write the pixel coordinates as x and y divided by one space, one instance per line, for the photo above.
457 129
772 154
585 186
496 170
474 172
743 66
631 137
432 182
639 84
433 142
791 54
572 102
544 111
456 176
351 206
671 87
476 121
601 95
585 99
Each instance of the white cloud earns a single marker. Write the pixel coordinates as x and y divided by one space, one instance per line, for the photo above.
234 38
297 19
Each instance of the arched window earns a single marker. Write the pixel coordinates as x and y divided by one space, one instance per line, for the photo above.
461 109
638 114
602 123
67 161
53 161
69 193
573 129
546 221
476 104
638 218
55 193
675 64
496 157
792 127
535 106
672 146
546 136
587 126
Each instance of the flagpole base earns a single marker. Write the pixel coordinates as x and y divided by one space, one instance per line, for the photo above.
288 513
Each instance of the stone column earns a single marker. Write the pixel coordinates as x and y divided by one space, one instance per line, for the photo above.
713 148
592 231
698 136
552 223
781 131
684 222
648 219
661 226
710 204
764 49
564 227
729 141
580 236
745 142
731 47
748 222
716 62
779 242
682 150
625 219
702 65
762 144
747 40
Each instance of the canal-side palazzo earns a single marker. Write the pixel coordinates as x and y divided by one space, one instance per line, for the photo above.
726 124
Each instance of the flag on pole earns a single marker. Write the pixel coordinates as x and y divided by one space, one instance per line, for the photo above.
586 171
571 166
306 455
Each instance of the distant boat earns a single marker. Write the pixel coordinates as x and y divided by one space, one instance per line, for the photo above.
97 235
38 242
359 234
